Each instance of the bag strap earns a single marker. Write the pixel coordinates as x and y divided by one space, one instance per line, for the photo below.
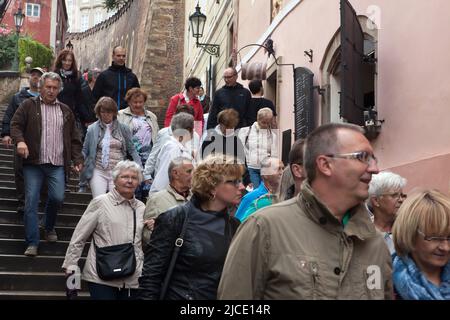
178 244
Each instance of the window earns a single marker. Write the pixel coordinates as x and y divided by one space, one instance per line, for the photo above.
33 10
97 17
84 22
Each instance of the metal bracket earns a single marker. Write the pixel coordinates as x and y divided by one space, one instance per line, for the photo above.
212 49
310 54
320 90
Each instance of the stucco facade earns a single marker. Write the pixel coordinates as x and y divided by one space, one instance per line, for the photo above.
410 77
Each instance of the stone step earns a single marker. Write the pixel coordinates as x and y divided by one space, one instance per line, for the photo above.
6 157
18 246
7 180
7 170
7 163
40 295
68 207
6 150
62 220
82 198
21 263
18 281
17 231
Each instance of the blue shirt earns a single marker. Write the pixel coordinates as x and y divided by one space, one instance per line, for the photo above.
248 199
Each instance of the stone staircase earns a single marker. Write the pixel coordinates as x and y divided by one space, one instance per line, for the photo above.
38 277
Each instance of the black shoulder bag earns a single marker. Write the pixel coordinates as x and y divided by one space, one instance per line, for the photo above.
118 261
178 244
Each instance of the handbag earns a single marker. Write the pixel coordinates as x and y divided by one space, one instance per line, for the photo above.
118 261
178 244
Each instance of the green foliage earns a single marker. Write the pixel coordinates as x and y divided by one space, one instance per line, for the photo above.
113 4
41 54
7 50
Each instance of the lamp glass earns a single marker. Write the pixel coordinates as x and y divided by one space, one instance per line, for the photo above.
18 18
198 20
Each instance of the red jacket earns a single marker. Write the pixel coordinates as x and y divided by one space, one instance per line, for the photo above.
179 99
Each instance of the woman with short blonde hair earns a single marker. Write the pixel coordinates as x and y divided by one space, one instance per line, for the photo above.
209 228
421 235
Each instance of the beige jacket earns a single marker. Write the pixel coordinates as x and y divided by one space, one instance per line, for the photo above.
298 250
109 219
126 117
158 203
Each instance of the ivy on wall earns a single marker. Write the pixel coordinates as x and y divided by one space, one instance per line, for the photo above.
41 54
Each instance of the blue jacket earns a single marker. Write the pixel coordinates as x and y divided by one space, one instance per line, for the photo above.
248 199
95 134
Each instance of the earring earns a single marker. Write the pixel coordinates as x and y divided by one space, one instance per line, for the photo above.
213 197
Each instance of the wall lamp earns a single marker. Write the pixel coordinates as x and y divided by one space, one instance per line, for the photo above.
197 20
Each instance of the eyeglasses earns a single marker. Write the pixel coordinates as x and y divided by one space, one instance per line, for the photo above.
396 195
133 178
229 77
434 240
363 156
236 182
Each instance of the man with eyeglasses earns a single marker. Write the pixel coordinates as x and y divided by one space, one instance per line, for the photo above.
231 95
320 244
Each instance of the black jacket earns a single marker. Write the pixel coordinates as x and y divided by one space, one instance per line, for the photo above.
14 104
216 142
71 93
236 97
256 105
198 269
87 113
114 82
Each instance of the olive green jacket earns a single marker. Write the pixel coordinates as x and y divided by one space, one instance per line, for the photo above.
298 250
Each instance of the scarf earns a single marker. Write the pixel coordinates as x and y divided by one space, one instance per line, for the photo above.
65 73
105 146
411 284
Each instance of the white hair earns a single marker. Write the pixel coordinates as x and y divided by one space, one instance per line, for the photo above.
127 165
264 113
385 181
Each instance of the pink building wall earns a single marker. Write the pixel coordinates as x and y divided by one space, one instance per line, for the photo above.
413 83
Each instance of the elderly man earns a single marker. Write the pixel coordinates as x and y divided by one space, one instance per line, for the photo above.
260 141
115 81
16 101
177 193
231 95
47 140
182 126
271 170
321 244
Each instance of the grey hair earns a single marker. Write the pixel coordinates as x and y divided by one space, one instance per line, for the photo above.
127 165
385 181
263 113
323 140
182 121
175 163
51 76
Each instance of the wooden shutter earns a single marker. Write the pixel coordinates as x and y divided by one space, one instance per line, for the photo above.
352 54
304 106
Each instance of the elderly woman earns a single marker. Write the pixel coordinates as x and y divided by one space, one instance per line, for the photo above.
385 198
209 228
144 129
107 142
421 268
260 142
111 219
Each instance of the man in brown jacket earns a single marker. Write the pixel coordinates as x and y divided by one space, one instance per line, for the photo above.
47 140
321 244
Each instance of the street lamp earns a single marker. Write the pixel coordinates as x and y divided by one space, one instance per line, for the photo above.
198 20
18 21
69 46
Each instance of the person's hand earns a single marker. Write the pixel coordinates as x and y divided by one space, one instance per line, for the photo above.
149 224
7 141
22 150
78 167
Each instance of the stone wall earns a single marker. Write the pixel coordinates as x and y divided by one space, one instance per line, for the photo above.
153 33
9 84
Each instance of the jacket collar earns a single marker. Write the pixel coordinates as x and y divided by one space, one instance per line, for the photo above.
117 199
176 195
114 124
359 224
128 112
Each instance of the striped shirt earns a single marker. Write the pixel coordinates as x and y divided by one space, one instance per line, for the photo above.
52 140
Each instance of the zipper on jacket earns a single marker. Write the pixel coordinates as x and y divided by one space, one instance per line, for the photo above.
314 277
